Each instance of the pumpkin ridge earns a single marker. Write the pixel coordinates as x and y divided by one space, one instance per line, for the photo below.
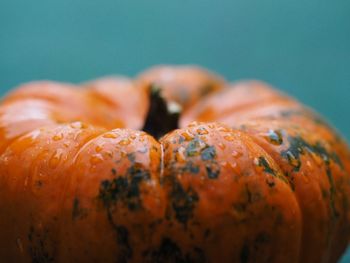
14 140
282 176
313 147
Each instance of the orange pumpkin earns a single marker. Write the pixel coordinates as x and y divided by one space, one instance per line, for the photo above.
220 173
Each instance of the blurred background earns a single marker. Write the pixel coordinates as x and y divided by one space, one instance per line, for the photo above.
301 47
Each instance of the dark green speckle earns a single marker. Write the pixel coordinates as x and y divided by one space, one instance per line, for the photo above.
267 168
124 188
209 153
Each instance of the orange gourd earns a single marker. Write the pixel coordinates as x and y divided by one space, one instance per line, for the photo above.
220 173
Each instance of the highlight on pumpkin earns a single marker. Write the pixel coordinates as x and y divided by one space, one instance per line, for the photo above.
176 165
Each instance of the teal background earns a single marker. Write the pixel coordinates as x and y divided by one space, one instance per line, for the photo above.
302 47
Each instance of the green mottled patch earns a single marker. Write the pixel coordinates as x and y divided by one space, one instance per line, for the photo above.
270 182
78 212
298 146
124 189
125 250
267 168
131 157
292 160
275 137
332 192
41 246
213 170
190 168
194 147
244 255
209 153
169 251
181 139
183 201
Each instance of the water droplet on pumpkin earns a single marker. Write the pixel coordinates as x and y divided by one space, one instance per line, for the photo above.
274 137
99 148
224 129
110 135
187 136
55 159
57 137
229 138
257 165
124 142
35 134
143 150
78 125
233 166
223 163
308 164
193 124
221 146
96 158
202 131
256 161
236 154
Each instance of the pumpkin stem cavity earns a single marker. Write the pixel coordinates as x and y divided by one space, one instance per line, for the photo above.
163 116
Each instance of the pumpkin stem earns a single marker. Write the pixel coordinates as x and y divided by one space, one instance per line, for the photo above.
162 116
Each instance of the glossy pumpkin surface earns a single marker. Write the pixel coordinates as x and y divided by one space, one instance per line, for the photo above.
250 175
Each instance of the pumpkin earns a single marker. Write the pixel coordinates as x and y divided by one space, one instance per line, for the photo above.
176 165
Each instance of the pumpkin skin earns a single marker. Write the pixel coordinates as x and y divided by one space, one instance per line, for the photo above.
251 175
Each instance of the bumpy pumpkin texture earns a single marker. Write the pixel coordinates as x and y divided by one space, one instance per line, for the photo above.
251 175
